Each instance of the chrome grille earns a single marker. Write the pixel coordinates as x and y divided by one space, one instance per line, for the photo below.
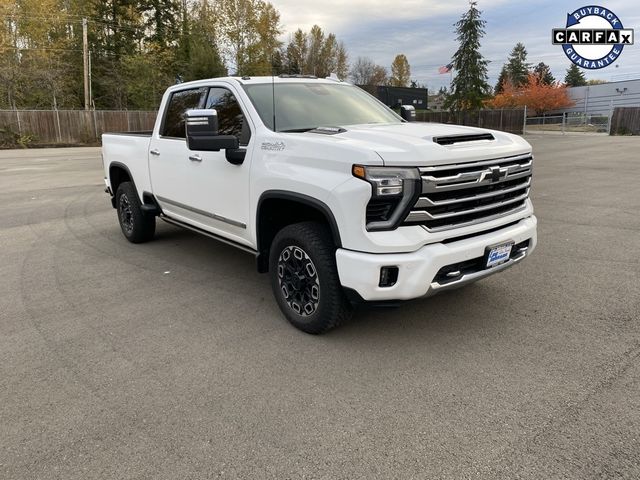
467 193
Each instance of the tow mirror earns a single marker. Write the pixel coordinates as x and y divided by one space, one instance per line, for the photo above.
202 132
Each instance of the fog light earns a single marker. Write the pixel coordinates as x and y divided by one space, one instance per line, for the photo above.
388 276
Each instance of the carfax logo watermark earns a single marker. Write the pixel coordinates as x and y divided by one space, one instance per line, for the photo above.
593 38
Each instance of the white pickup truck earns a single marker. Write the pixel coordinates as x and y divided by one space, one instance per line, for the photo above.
340 199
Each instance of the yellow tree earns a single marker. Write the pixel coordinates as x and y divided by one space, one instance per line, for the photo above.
400 71
9 54
37 60
249 30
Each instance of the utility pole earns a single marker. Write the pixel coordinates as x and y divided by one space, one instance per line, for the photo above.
85 58
90 84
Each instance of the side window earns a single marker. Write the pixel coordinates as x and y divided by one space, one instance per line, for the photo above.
231 120
179 103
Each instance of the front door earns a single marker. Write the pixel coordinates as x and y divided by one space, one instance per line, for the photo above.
203 188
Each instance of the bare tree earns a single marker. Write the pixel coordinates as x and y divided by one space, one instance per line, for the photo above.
366 72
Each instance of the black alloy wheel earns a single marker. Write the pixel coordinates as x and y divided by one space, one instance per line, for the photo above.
298 280
136 225
304 277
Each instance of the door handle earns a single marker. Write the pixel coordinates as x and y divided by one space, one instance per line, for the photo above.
195 158
155 152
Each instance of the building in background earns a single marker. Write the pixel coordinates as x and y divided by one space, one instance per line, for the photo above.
395 96
601 99
436 102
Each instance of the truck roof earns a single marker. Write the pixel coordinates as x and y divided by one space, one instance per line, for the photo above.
250 80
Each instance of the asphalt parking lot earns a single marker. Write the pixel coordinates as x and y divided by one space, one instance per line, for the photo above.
171 359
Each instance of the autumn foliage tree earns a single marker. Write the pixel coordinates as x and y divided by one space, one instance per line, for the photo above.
535 95
138 48
400 71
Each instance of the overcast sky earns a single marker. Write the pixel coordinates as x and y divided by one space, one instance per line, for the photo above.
423 30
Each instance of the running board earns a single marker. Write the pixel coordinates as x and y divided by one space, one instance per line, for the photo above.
178 223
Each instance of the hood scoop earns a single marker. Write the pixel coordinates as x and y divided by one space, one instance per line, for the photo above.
328 130
453 139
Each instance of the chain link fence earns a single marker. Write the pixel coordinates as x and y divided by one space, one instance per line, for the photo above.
569 123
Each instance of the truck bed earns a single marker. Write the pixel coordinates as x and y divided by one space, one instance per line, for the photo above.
131 150
141 133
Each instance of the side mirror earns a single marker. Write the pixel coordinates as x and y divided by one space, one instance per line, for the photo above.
408 112
202 132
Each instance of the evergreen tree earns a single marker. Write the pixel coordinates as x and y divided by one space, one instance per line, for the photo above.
342 62
543 72
163 20
115 31
316 42
575 77
327 61
501 80
469 87
201 57
517 67
277 63
296 53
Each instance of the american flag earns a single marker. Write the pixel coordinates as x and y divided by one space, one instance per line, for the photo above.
445 69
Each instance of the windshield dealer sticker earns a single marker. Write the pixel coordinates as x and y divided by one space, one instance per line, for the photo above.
273 146
593 37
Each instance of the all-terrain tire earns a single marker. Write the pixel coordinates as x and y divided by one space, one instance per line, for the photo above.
137 226
304 278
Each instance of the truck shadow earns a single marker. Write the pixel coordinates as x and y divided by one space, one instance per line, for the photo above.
471 307
448 312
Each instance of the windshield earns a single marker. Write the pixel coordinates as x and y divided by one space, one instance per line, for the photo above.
305 106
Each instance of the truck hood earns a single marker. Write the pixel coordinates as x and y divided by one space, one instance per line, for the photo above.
412 144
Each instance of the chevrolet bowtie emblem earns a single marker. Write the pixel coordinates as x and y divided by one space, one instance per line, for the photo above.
495 174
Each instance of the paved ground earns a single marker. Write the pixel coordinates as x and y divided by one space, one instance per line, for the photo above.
112 368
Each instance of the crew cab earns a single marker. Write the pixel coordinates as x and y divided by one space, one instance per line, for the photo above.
339 198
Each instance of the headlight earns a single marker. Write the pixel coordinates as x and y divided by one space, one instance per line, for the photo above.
393 192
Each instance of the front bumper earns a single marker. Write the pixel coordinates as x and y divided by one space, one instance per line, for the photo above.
418 270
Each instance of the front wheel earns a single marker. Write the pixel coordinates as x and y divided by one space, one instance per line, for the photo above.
304 278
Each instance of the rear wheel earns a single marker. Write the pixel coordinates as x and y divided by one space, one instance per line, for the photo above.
304 278
137 226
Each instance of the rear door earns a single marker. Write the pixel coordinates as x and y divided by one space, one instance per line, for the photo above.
203 188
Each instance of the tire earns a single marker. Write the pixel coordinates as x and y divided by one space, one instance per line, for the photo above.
137 226
304 278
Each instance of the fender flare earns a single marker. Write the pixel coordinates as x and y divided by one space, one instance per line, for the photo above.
305 200
126 169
